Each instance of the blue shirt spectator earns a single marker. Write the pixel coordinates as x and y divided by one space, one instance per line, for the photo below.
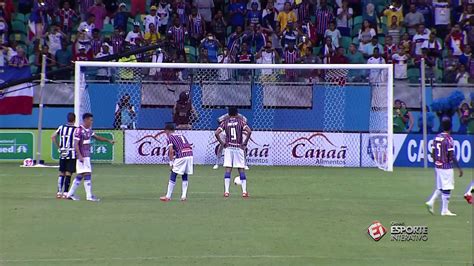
237 13
212 46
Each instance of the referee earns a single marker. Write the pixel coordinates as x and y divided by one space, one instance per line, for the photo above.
67 161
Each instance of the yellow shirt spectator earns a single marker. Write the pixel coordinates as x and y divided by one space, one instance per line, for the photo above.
152 38
124 72
394 11
286 17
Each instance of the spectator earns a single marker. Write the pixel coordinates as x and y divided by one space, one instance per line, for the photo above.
137 7
163 13
224 58
84 6
251 2
324 15
430 62
456 40
406 43
82 40
290 36
462 77
370 14
235 40
286 17
117 40
369 48
96 42
63 59
259 38
465 58
366 33
125 113
19 60
244 57
399 117
105 72
269 15
87 26
394 30
311 75
219 26
470 32
355 56
196 27
464 118
183 112
304 45
212 46
334 34
339 57
467 13
151 18
54 39
254 16
303 10
433 45
135 36
24 6
413 19
375 75
39 18
442 17
267 55
425 9
450 65
99 12
67 17
394 9
290 56
178 35
152 37
181 8
121 17
407 117
400 61
82 55
422 34
389 49
50 62
205 8
344 15
111 6
327 51
237 13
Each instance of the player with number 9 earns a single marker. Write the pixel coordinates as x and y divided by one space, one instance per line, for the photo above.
234 147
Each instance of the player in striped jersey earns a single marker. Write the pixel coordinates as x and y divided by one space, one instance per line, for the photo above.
67 160
444 159
181 161
234 147
220 148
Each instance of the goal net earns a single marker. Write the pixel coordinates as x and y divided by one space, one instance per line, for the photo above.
300 114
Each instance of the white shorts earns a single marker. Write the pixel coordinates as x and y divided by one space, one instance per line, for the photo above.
234 157
183 165
84 167
444 179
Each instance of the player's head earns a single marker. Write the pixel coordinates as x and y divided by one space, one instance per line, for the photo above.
71 118
87 119
233 111
446 124
169 128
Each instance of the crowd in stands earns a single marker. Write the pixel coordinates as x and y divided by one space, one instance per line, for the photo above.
246 31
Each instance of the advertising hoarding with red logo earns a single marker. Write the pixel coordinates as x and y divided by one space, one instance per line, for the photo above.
264 148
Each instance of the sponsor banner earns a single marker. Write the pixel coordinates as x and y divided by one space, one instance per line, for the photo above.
265 148
100 151
16 145
409 150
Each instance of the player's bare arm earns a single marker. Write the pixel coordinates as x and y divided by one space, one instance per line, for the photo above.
456 163
99 138
171 154
54 139
248 132
218 137
78 151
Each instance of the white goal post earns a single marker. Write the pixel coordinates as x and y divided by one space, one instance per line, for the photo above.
268 86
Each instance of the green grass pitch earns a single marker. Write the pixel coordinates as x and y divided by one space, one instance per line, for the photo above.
295 216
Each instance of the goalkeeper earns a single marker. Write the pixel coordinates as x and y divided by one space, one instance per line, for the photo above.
220 148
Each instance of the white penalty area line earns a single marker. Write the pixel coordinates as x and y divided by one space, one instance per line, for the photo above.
156 258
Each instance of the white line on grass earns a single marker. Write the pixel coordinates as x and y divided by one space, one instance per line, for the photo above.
219 257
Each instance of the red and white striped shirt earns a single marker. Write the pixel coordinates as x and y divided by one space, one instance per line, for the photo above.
180 145
234 131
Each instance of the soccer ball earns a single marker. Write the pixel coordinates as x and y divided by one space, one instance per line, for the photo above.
28 162
237 181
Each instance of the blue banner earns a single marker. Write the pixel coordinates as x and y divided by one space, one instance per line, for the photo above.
409 150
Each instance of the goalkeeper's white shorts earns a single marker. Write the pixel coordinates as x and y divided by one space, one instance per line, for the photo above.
84 167
234 157
444 179
183 165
